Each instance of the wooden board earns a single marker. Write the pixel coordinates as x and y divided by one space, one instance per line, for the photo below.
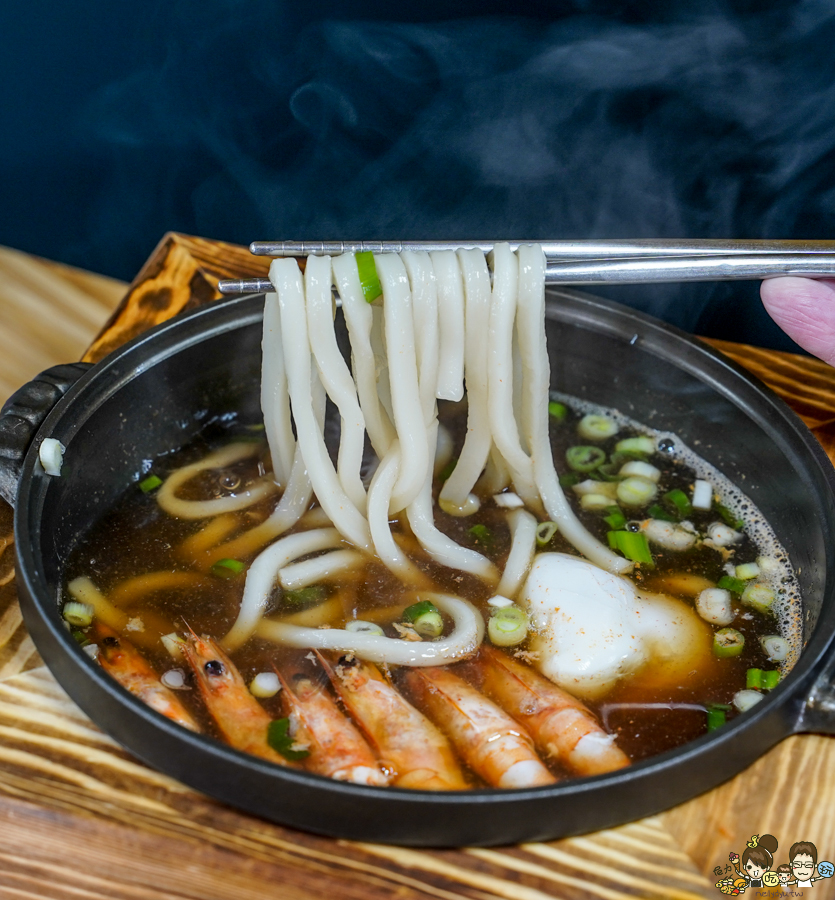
80 818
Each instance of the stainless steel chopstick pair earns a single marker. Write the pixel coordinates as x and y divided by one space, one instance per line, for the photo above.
598 262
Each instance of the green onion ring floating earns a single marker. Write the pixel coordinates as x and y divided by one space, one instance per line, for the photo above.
465 639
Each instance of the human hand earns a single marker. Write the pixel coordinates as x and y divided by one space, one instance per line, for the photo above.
805 309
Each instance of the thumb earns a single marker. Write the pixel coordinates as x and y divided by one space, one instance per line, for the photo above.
805 310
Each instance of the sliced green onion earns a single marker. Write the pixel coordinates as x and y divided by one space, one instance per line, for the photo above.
313 593
729 583
714 605
727 642
608 472
370 281
776 648
758 597
481 533
635 491
265 684
425 618
615 519
80 637
657 512
569 479
619 457
151 483
508 626
632 544
228 568
173 643
78 614
716 718
640 444
728 517
584 458
595 502
744 700
754 679
679 503
545 532
279 738
641 469
771 679
358 626
557 411
597 428
747 571
447 470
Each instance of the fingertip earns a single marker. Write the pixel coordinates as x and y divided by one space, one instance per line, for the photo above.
805 309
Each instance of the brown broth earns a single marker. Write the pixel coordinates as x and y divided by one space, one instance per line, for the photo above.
136 538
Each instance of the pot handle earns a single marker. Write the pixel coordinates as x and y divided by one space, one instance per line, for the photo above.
23 414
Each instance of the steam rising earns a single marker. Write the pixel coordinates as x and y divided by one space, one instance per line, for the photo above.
718 124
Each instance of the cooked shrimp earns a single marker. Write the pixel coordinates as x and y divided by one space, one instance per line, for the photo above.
337 749
407 742
122 661
488 740
241 719
562 727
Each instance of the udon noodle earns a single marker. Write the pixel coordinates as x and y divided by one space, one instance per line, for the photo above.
510 629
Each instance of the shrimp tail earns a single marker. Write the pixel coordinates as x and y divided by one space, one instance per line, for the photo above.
563 728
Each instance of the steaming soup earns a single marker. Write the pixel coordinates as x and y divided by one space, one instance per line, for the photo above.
472 647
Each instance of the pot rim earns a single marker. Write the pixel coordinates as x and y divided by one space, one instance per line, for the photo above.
777 716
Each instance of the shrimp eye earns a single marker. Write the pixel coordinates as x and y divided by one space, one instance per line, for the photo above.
213 667
110 641
347 662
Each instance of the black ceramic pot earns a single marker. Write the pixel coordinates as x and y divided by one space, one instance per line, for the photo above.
154 395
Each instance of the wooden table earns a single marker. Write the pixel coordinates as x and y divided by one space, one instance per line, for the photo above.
79 818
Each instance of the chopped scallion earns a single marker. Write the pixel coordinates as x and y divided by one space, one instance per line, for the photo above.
771 679
776 648
78 614
677 501
640 444
481 533
727 642
729 583
747 571
615 519
758 597
557 411
657 512
280 739
313 593
545 532
597 428
584 458
632 544
569 479
728 517
151 483
369 280
754 679
425 618
636 491
716 718
228 568
508 626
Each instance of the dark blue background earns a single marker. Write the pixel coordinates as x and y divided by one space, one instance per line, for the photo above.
255 120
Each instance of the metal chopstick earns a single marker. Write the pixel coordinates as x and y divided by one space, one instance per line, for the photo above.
555 250
648 270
